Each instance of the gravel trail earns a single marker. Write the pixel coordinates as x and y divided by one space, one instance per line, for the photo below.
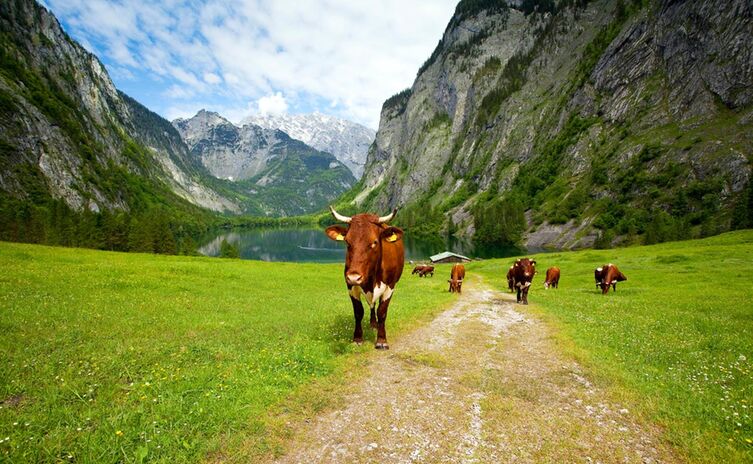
482 383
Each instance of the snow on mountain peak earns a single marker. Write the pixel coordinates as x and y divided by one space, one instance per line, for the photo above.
348 141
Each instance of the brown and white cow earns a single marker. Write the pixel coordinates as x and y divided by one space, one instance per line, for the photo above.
552 277
606 276
457 274
373 265
510 279
522 273
417 269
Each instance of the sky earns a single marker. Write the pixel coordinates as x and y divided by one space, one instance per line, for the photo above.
243 57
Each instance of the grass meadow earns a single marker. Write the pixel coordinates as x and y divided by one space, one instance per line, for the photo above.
115 357
675 341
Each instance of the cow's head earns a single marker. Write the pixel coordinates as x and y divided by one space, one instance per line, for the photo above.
365 236
528 266
455 285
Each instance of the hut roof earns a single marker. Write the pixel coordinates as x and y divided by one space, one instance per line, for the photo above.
447 254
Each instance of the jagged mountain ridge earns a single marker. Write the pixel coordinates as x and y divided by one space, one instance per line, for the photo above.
277 174
348 141
597 119
69 134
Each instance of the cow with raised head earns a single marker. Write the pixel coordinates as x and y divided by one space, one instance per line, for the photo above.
606 276
522 273
552 277
373 265
457 274
510 279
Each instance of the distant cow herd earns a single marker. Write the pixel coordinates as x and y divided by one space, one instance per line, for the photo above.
375 258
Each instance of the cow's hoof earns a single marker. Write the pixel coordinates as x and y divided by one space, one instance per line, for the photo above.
382 346
525 302
358 341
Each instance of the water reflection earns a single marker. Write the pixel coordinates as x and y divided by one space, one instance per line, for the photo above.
311 245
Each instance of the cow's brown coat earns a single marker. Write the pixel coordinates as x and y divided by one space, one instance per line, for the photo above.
606 276
457 274
552 277
523 271
375 256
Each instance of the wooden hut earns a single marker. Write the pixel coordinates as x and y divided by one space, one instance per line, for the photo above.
448 257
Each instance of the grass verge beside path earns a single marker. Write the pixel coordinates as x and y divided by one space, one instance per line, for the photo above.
128 357
676 338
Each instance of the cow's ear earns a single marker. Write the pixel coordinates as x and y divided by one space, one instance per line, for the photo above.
392 234
336 232
533 261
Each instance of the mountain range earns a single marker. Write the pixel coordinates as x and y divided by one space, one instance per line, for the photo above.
273 173
572 124
560 124
348 141
67 134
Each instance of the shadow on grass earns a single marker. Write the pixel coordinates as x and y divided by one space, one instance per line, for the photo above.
341 332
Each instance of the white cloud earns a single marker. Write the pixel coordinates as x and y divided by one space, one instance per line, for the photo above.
310 54
272 104
212 78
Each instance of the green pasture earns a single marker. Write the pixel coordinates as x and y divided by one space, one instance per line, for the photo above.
115 357
675 340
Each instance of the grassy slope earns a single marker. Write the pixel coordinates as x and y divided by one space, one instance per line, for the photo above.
112 356
676 339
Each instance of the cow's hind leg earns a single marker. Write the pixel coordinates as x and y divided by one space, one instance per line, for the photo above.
358 314
381 341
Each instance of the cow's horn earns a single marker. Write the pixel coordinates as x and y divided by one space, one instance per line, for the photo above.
340 217
387 218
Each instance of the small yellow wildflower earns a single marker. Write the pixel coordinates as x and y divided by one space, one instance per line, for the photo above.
119 433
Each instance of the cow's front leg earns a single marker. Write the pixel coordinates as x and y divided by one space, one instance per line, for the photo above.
358 314
525 294
373 320
518 297
381 341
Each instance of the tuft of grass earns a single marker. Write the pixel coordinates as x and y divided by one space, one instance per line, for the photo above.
676 338
134 357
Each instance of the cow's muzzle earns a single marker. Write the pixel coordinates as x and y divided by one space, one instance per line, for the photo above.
354 279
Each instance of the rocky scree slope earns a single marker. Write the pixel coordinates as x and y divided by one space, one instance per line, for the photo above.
275 174
348 141
66 132
568 123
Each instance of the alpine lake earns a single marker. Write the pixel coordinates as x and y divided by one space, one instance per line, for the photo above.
312 245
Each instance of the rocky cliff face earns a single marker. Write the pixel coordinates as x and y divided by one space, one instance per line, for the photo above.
276 174
67 133
602 119
348 141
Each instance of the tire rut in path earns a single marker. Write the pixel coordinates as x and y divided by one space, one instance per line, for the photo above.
482 382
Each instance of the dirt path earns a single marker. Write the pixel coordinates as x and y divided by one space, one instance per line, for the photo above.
481 383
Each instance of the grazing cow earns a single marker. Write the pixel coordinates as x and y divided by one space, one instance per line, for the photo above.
606 276
552 277
417 269
510 279
522 273
426 271
373 265
457 274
